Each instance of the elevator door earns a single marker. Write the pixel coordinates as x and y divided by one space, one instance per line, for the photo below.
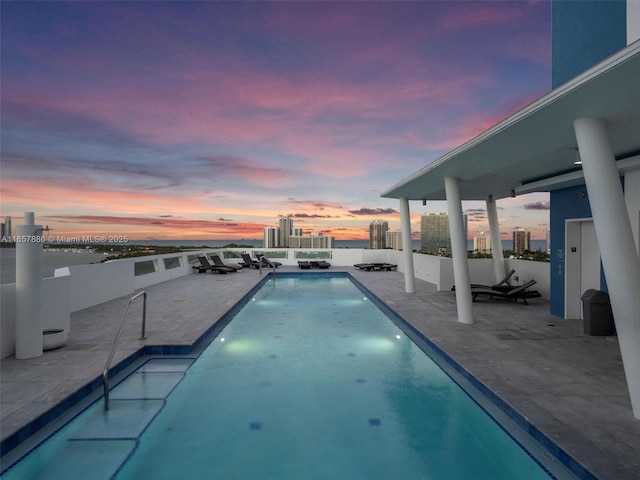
582 265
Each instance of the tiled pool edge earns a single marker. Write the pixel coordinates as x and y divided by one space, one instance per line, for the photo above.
553 448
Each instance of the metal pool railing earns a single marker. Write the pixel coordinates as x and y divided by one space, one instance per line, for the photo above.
105 373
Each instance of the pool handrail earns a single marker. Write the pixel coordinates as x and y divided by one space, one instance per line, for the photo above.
105 373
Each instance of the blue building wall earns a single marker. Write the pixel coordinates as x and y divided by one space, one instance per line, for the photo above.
583 34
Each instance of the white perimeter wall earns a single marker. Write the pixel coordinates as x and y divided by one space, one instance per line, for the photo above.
99 282
82 286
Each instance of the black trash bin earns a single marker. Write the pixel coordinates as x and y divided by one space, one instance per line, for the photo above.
598 317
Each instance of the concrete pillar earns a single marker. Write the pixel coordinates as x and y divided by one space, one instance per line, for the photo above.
461 276
499 269
407 246
615 239
28 288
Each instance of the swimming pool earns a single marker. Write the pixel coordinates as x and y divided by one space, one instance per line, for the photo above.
309 380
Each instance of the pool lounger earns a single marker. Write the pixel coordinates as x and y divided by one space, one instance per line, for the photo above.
217 262
205 266
267 262
514 293
376 266
320 264
307 265
502 285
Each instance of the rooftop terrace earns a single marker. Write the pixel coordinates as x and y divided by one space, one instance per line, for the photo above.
569 385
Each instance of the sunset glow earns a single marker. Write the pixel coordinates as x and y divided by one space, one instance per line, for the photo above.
208 120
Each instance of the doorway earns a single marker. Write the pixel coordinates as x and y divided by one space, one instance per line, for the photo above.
582 264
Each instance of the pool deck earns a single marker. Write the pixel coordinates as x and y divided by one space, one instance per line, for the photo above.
569 385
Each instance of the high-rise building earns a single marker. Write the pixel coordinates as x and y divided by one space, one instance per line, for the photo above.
548 240
394 240
521 241
299 241
7 227
435 237
286 229
482 243
2 231
271 237
318 240
288 236
315 240
377 234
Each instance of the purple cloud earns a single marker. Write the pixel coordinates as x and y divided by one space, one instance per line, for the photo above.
374 211
537 206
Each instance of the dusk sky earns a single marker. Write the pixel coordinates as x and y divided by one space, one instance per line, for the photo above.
209 120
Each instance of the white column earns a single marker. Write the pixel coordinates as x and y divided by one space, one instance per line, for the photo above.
407 246
499 269
28 289
615 239
461 276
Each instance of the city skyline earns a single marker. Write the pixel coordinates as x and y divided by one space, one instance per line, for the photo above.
209 119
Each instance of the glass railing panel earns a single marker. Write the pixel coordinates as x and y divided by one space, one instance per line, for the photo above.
313 254
145 267
172 262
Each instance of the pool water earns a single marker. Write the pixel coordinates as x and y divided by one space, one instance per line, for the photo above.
309 380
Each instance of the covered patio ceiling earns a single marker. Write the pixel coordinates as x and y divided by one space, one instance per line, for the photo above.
538 142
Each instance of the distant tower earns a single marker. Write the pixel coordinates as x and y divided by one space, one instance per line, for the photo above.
521 241
286 229
318 240
315 240
394 240
434 233
270 237
2 234
482 243
296 231
7 226
548 240
377 234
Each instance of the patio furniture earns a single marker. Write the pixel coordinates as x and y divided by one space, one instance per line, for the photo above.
514 293
217 261
205 266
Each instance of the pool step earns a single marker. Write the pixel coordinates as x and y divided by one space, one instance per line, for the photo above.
95 445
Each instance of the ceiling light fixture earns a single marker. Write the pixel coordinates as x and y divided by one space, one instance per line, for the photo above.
578 160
